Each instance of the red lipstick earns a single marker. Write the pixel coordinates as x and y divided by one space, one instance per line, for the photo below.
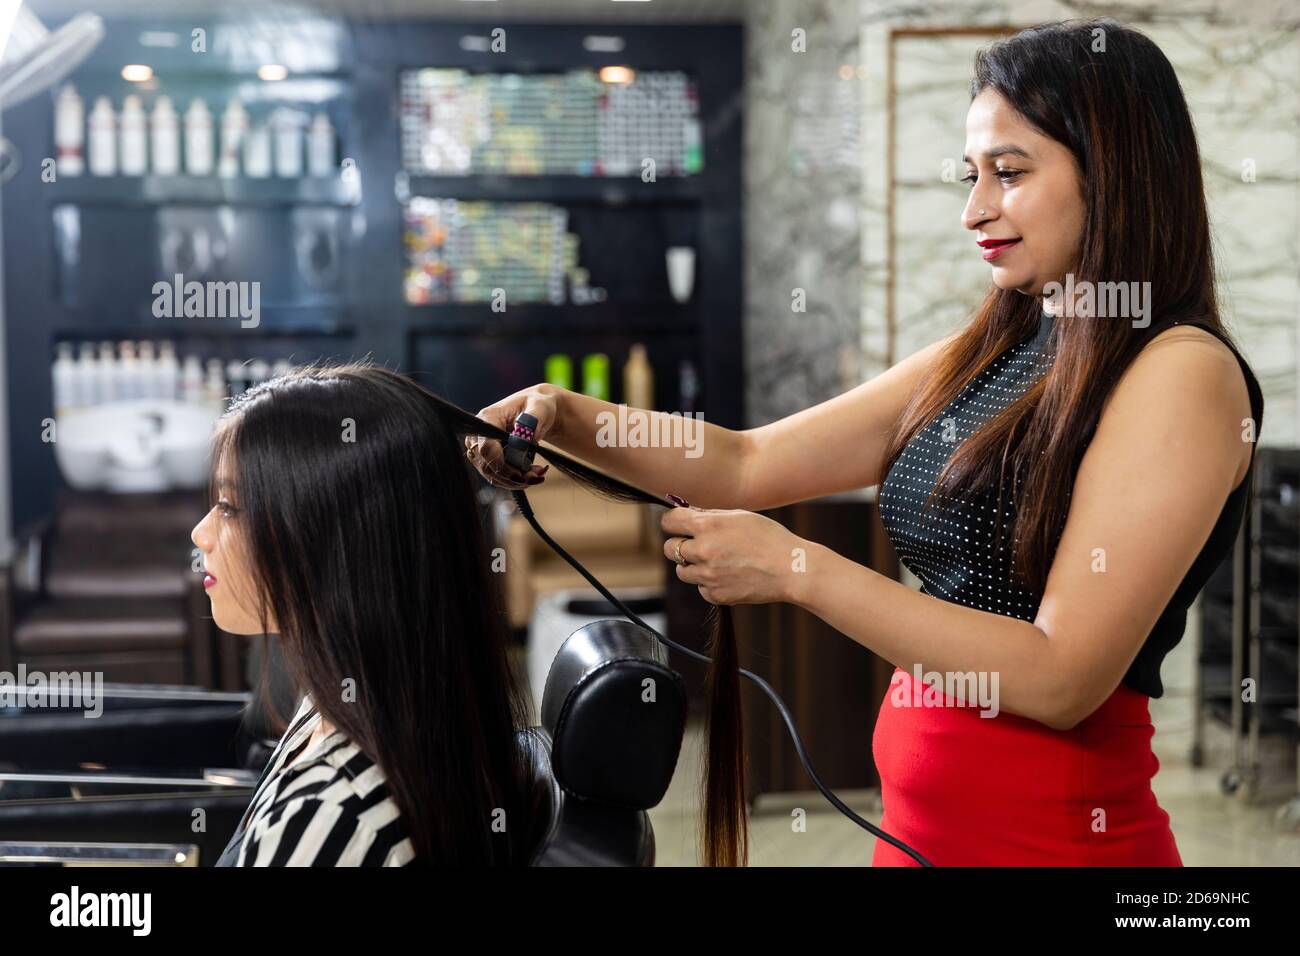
995 247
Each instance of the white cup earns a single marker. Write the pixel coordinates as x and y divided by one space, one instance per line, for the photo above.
681 272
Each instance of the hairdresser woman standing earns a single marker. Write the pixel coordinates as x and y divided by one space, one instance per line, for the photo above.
1086 471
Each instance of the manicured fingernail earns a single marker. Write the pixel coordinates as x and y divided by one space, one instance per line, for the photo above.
679 502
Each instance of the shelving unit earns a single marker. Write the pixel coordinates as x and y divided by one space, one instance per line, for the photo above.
532 318
1250 629
150 191
81 255
598 190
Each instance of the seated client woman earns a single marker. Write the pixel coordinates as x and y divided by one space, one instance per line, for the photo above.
344 522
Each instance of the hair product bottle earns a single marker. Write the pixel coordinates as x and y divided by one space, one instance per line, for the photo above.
87 374
168 371
320 146
106 373
559 370
146 372
595 375
257 152
638 379
128 371
198 139
134 140
214 386
165 139
102 128
287 134
234 127
191 380
64 373
69 133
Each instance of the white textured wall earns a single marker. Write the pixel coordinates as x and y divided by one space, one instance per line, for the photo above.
1240 67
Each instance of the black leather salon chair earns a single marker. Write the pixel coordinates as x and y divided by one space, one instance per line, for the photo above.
118 787
613 714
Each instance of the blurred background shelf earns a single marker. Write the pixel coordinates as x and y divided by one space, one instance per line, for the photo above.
202 190
603 190
123 323
533 319
351 265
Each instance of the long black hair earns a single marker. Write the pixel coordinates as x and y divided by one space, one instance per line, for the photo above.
361 524
1107 93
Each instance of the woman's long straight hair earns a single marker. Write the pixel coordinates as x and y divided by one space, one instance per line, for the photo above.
1109 94
724 829
359 518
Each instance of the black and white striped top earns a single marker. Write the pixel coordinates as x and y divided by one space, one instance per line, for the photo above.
328 805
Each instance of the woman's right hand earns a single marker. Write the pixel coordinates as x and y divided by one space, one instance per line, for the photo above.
488 456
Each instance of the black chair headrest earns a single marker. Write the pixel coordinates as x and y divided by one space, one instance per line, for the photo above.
615 712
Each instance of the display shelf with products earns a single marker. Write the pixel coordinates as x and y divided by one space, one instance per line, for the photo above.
318 218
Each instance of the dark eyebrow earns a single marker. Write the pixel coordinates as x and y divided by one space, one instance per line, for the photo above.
1005 149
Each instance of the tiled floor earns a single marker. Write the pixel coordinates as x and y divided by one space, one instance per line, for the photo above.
1211 829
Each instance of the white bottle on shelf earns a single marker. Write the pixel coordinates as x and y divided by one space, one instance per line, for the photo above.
167 371
106 373
128 373
135 144
64 373
165 139
235 377
288 144
234 127
87 375
191 380
198 139
146 372
69 133
214 386
320 146
257 152
103 138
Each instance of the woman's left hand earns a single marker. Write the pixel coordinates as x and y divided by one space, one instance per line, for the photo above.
734 557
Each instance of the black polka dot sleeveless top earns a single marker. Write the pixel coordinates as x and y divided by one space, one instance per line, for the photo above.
951 547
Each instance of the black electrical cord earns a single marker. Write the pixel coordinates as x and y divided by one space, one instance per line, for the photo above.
526 510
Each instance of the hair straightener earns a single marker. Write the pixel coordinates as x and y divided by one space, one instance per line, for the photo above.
519 450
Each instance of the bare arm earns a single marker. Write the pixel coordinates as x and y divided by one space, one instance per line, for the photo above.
835 446
832 447
1167 451
696 460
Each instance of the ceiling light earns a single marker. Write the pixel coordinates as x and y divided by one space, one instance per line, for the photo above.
617 74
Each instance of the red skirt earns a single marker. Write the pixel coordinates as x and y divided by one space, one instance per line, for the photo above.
966 790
